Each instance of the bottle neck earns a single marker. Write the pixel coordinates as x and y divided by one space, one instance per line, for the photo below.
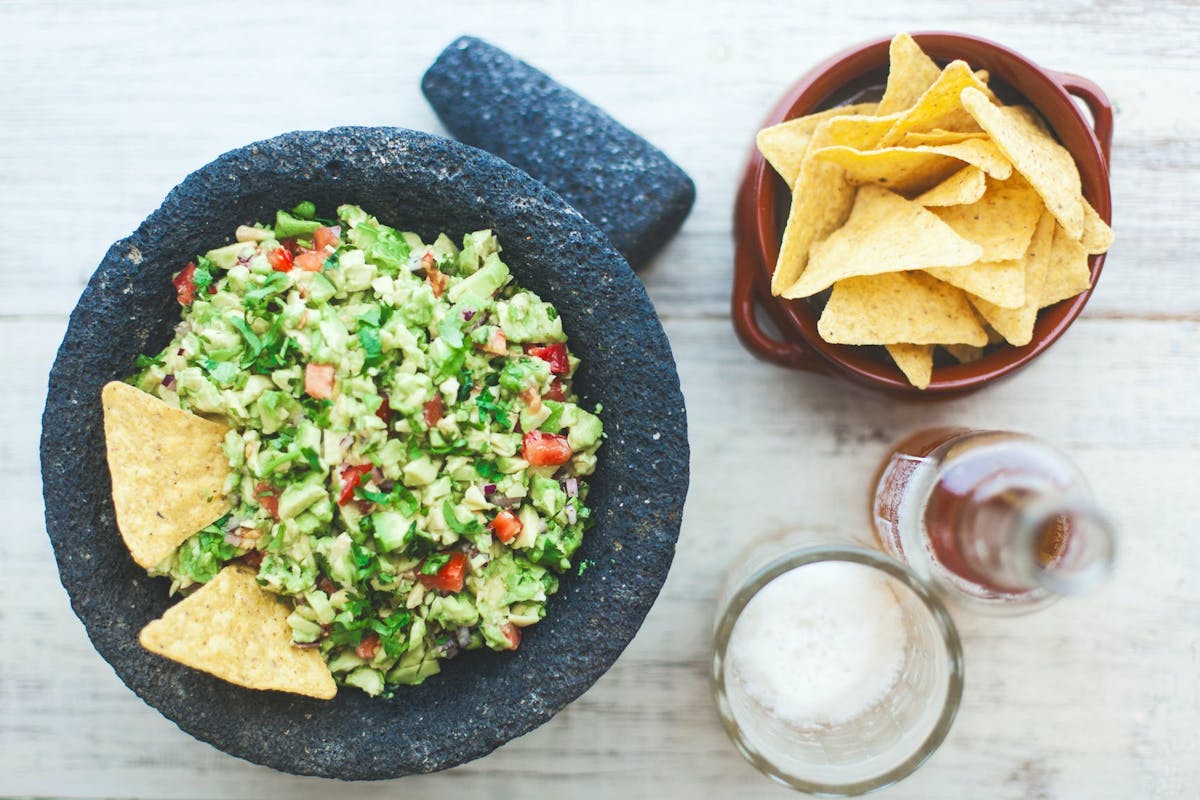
1062 544
1016 538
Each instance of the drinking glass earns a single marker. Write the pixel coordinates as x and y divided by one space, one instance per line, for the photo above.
888 739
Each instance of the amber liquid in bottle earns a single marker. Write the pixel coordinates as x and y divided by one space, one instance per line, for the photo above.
1000 518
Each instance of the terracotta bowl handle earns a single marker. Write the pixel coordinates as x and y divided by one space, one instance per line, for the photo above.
745 321
1097 102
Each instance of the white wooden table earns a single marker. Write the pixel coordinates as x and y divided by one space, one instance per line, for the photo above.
105 106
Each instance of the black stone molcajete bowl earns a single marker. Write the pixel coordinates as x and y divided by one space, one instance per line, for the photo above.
481 700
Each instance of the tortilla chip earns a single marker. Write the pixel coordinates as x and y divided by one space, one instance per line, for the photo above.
1016 325
234 629
821 201
860 131
910 74
964 353
915 361
999 282
884 233
962 188
1002 222
1097 236
1046 164
916 169
168 471
899 307
1069 272
939 106
784 145
938 136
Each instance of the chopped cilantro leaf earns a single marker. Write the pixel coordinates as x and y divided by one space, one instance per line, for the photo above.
461 528
310 456
434 563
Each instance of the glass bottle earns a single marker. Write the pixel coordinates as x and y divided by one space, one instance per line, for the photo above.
1000 519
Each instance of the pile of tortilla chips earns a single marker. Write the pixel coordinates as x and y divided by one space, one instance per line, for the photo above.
168 479
937 215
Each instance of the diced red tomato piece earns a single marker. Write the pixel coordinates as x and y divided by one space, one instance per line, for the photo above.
185 284
506 526
531 399
325 585
545 449
436 278
450 577
384 412
553 354
311 260
324 237
434 410
281 259
352 476
318 381
513 634
437 281
557 391
368 648
289 244
497 343
267 497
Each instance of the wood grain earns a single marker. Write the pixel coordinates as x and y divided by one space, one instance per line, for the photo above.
105 106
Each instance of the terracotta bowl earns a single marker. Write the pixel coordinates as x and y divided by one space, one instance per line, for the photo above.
763 201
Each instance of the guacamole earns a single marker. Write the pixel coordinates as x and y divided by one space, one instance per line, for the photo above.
407 453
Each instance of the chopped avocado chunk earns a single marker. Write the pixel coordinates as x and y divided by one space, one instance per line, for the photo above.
227 257
391 529
421 472
367 679
484 283
289 227
585 431
525 318
453 611
297 497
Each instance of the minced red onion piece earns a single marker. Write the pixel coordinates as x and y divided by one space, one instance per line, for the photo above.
467 314
168 381
346 442
233 524
377 475
235 539
571 515
386 486
504 501
179 352
244 260
336 229
489 489
572 486
306 645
